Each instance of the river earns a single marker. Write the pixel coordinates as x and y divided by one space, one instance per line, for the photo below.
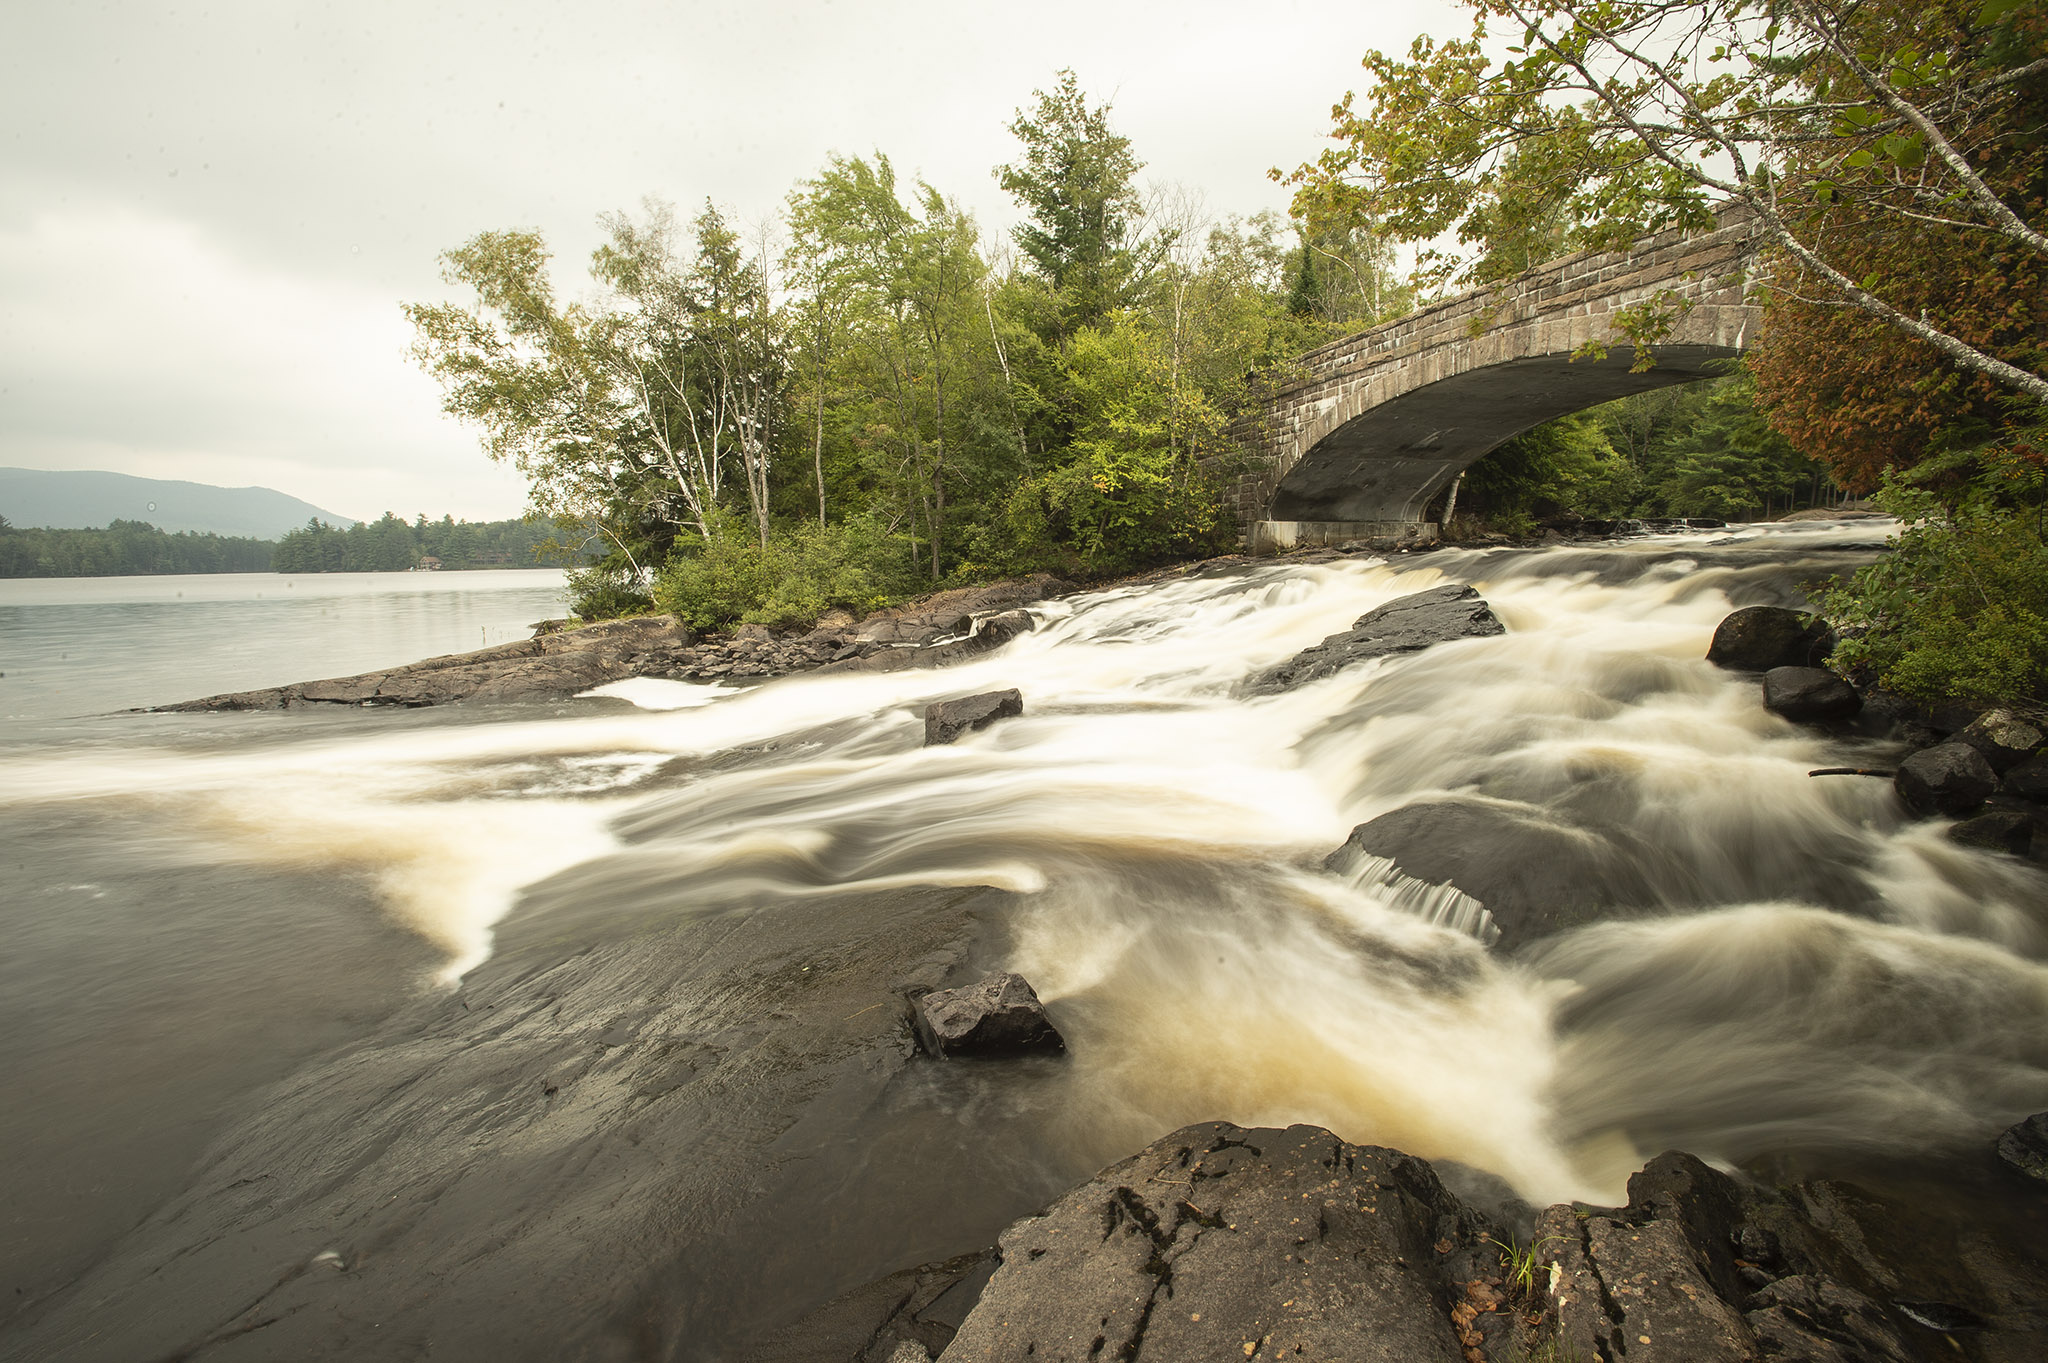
574 1030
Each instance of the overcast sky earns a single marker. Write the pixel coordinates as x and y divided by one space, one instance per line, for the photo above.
209 213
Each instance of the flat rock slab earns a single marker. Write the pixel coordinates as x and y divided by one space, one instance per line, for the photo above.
1406 625
1759 638
945 721
995 1016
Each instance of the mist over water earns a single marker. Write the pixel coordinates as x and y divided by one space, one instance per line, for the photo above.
1792 968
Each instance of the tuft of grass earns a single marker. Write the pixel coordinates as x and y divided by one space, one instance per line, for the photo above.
1522 1261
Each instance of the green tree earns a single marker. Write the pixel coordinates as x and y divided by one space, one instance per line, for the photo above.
1075 183
632 414
924 399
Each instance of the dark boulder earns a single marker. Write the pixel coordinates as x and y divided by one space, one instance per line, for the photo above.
1535 876
1000 629
1406 625
998 1015
1759 638
1700 1269
1997 830
2004 738
2028 780
1806 694
2024 1146
946 720
1953 716
1949 778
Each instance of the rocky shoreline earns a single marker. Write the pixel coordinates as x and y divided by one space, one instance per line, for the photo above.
1221 1243
564 659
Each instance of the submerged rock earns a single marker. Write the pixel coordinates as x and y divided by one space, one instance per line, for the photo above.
1949 778
998 1015
1998 830
1807 694
1759 638
907 1317
1406 625
945 721
1534 876
2028 780
2024 1146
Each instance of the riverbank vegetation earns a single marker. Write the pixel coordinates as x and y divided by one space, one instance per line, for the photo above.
866 397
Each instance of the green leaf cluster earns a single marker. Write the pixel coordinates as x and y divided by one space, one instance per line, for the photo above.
1959 609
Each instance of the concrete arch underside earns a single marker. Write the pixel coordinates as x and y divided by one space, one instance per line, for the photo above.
1387 464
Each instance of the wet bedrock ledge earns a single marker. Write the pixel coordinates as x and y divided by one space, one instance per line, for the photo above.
1221 1243
556 663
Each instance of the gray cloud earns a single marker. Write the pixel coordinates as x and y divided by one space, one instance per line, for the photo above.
208 214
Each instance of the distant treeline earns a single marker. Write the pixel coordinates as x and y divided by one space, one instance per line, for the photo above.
137 548
392 545
125 549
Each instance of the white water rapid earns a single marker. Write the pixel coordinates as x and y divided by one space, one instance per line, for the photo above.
1795 967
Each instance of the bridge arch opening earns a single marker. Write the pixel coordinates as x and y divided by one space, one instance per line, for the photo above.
1384 467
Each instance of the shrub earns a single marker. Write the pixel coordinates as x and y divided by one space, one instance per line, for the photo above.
1960 608
801 574
604 593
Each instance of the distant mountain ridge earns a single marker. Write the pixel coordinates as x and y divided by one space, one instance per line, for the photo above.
66 500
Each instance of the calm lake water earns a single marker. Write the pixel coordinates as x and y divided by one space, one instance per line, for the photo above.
82 646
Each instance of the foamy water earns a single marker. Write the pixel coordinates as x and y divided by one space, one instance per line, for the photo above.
1803 970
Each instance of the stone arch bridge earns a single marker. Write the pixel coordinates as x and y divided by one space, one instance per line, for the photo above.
1362 445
